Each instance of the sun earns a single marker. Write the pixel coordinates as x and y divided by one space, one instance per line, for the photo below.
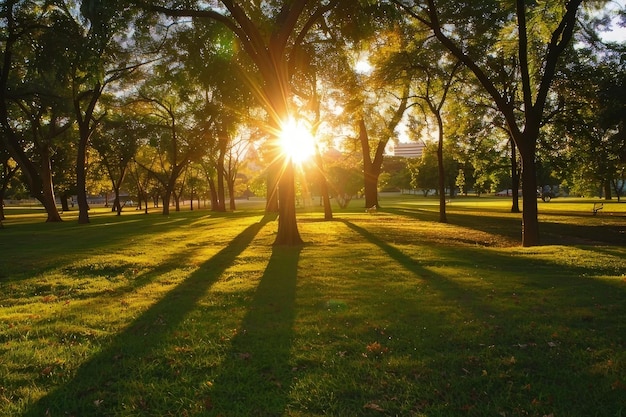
296 141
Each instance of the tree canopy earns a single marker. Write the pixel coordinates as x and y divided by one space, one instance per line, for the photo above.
171 87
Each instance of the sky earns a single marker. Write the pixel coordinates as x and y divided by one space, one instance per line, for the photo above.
617 34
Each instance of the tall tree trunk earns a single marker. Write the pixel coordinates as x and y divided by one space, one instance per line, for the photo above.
117 203
47 188
608 193
514 178
288 233
85 130
273 175
81 181
213 192
371 171
231 192
530 224
221 194
176 200
64 202
6 178
166 201
443 218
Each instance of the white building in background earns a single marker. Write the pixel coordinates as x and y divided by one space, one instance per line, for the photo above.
408 150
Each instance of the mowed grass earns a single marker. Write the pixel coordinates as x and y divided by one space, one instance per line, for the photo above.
376 315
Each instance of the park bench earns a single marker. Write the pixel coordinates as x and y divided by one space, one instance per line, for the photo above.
597 207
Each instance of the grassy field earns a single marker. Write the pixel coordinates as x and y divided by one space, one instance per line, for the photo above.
387 314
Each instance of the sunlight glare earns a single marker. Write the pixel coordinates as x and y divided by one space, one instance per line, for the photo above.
296 141
363 67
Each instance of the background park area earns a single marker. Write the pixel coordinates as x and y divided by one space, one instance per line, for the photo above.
377 314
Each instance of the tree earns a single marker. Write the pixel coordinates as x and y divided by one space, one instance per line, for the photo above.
140 170
425 171
399 176
586 141
345 180
176 144
116 142
102 52
373 158
8 169
270 35
437 80
520 45
32 113
377 103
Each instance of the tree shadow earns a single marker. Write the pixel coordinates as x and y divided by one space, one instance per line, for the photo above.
83 393
255 378
509 227
592 312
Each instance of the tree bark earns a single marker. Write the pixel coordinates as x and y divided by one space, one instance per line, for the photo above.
443 218
231 193
86 126
213 192
166 201
514 178
288 233
371 168
273 174
530 224
607 190
81 180
47 188
221 192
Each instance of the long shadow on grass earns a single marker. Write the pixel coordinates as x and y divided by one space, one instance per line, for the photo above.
505 226
255 378
528 331
551 233
52 245
444 285
92 390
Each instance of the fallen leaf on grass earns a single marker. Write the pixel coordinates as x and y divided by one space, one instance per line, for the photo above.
510 361
377 348
183 349
618 385
374 406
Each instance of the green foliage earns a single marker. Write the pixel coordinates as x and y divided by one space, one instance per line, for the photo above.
345 182
424 172
398 173
586 142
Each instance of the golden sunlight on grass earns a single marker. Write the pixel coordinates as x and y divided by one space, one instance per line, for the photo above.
296 141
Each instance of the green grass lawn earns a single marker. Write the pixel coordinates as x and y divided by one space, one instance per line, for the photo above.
387 314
